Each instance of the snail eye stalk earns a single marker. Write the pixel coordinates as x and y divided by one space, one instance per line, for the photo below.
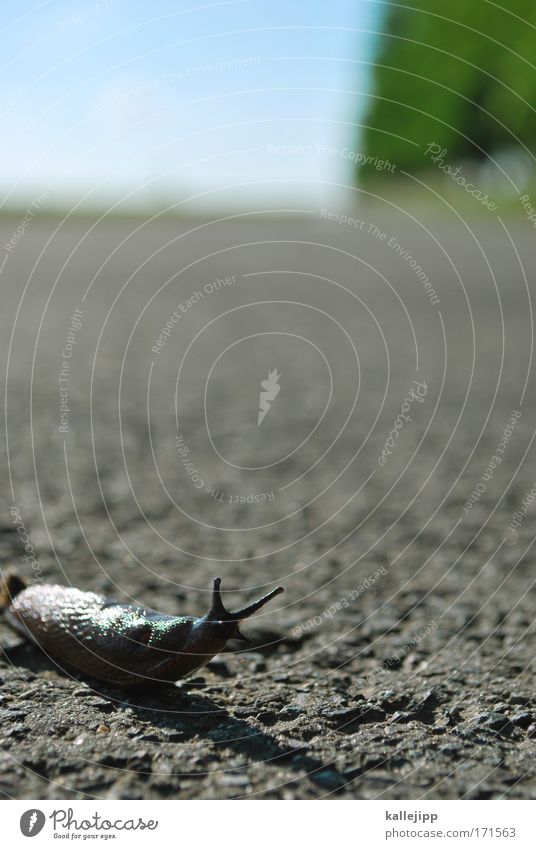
219 613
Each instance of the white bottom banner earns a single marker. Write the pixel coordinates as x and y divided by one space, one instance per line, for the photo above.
228 825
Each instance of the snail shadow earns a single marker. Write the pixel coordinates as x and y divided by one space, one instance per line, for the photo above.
177 714
18 653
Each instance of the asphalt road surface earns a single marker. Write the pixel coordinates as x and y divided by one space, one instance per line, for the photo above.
387 487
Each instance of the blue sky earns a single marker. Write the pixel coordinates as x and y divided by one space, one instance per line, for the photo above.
178 100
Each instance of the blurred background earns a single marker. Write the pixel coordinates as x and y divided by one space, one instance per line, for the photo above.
229 103
267 279
217 103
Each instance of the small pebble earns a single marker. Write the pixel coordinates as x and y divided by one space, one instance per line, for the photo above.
327 778
523 718
494 720
235 780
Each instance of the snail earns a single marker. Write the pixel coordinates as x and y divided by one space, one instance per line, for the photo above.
124 645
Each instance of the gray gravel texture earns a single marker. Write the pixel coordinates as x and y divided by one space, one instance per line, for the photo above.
399 662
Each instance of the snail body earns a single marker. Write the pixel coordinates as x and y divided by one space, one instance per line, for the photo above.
124 645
